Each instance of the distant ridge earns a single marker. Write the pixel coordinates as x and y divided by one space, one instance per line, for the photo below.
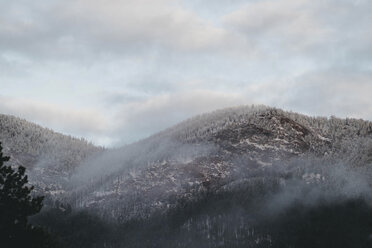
27 143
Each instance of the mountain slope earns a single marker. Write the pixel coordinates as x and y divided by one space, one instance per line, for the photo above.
238 177
48 156
208 152
212 152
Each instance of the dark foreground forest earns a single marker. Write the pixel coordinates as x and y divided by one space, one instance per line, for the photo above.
226 219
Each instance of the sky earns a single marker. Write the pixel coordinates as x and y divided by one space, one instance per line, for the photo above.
116 71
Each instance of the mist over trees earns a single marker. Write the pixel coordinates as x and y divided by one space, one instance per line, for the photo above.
233 218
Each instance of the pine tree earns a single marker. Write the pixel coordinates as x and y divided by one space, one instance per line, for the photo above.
16 205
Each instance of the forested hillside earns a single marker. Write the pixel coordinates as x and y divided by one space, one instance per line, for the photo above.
50 157
213 151
204 125
29 143
235 177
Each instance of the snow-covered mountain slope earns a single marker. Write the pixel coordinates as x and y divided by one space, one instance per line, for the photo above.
49 156
212 152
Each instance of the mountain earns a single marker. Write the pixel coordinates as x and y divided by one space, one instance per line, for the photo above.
49 157
208 151
248 176
215 151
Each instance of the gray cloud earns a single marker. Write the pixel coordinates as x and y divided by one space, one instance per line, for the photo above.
77 121
82 29
143 118
313 93
323 30
336 91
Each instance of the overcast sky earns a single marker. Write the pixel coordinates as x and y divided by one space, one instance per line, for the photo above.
115 71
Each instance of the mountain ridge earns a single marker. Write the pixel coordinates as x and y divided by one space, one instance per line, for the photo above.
206 152
245 142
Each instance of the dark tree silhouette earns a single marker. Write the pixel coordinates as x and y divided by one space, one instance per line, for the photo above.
16 205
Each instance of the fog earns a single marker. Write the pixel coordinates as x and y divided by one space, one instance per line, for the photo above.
309 179
165 192
316 181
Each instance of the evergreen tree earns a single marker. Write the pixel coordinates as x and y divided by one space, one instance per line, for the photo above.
16 205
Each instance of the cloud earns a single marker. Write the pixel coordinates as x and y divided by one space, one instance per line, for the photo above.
340 91
77 121
160 21
317 29
336 91
87 29
90 28
140 119
285 18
